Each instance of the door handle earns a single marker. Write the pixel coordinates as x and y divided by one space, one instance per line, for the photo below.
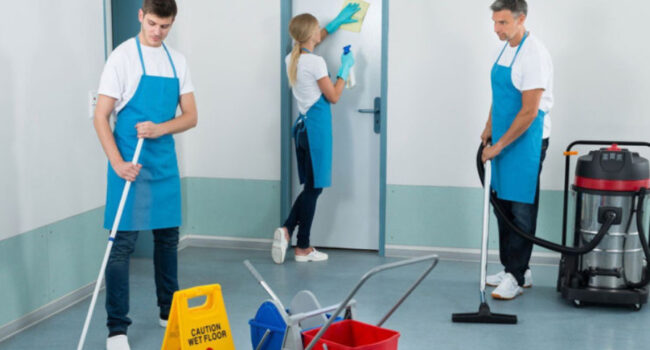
377 114
369 111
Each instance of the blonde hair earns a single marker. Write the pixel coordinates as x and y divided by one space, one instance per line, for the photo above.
301 28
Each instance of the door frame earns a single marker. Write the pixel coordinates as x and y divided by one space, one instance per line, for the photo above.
286 113
108 28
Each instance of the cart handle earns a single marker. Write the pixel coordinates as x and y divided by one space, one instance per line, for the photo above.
305 315
363 280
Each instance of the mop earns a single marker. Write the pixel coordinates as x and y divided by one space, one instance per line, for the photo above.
111 238
484 315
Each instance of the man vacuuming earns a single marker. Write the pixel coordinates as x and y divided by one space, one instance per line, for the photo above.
519 128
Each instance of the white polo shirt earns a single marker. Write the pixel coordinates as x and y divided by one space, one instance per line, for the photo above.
311 68
123 70
533 69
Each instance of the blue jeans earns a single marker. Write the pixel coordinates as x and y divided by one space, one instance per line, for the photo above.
304 208
514 251
165 261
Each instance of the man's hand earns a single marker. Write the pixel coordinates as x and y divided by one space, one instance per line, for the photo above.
149 130
127 170
486 135
490 152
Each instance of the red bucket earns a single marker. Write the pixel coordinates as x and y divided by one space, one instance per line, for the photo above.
353 335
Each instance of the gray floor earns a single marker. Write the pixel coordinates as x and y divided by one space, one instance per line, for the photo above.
545 320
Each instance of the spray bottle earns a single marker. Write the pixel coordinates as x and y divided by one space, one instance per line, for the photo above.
352 81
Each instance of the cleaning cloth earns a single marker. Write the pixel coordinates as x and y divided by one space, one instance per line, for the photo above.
359 16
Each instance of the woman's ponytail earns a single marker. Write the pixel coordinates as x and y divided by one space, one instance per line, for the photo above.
301 28
293 64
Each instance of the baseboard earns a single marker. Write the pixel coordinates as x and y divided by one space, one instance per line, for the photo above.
463 254
226 242
46 311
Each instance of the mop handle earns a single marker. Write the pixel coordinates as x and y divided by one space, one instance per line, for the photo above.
116 224
262 282
486 225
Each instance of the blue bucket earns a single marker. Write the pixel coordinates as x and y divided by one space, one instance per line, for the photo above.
268 318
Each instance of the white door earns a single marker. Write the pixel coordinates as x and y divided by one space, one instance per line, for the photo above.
347 214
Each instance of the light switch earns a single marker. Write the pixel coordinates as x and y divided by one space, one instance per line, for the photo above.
92 103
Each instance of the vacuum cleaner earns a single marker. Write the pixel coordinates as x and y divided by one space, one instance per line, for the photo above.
615 271
607 261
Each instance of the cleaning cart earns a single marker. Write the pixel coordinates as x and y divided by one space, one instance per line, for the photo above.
278 328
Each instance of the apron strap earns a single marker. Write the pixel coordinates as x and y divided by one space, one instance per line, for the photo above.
170 59
303 49
516 53
519 48
504 48
144 71
137 41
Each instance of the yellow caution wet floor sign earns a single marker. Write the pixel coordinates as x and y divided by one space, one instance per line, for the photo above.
203 327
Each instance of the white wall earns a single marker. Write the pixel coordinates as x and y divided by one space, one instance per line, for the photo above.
233 49
440 55
52 167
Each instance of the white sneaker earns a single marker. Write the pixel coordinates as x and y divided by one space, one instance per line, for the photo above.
494 280
117 342
508 288
314 255
528 279
279 246
162 323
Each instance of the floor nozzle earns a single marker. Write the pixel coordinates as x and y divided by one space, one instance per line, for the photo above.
484 316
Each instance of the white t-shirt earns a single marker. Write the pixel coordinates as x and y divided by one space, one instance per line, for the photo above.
311 68
123 70
533 69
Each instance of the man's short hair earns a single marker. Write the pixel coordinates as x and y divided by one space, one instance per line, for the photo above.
517 7
160 8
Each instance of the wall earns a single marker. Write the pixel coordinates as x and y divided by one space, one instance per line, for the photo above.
235 68
53 169
231 161
51 158
440 55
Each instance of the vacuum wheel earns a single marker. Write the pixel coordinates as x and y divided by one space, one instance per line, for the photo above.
577 303
637 307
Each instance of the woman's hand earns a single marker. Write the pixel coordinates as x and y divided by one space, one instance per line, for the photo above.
347 61
344 17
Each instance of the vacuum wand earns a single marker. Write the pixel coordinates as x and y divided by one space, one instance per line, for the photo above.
111 238
484 315
486 226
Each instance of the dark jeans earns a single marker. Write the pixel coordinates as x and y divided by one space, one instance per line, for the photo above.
302 212
515 251
117 275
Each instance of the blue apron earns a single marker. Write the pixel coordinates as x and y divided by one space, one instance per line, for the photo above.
515 169
155 197
318 124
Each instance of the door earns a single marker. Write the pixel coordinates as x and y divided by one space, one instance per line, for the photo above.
347 214
124 20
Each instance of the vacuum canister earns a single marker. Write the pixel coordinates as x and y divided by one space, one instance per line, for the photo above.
606 179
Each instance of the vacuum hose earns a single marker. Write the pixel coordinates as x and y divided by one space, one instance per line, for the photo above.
644 243
610 218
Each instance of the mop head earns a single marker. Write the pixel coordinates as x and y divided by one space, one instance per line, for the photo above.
484 316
